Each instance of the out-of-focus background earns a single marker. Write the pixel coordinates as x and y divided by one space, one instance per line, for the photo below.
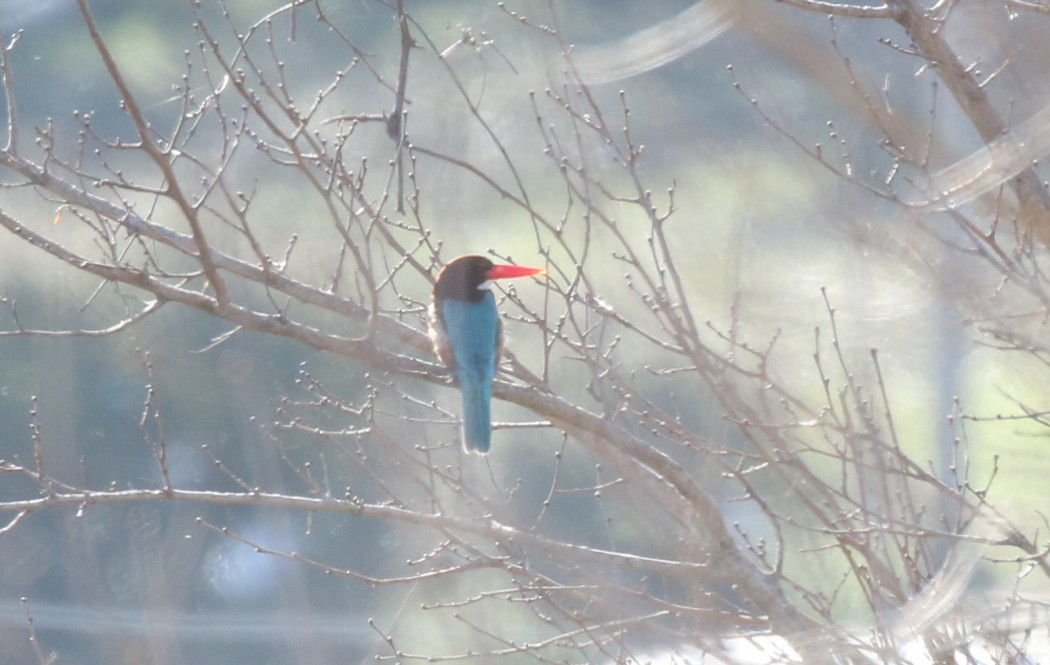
768 241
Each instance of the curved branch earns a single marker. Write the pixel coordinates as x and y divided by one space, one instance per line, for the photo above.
120 326
491 529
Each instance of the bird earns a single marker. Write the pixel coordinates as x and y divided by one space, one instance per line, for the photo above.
467 334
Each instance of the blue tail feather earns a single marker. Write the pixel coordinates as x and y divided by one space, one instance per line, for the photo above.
477 418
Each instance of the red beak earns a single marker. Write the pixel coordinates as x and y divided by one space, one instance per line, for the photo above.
504 271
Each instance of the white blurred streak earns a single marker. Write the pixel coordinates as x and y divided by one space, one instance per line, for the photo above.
656 45
265 626
939 601
989 167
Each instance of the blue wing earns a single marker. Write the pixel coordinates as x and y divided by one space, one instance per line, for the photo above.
473 331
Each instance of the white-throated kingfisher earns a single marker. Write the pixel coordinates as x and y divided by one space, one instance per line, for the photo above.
468 336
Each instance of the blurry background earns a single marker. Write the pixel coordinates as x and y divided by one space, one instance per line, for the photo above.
760 228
